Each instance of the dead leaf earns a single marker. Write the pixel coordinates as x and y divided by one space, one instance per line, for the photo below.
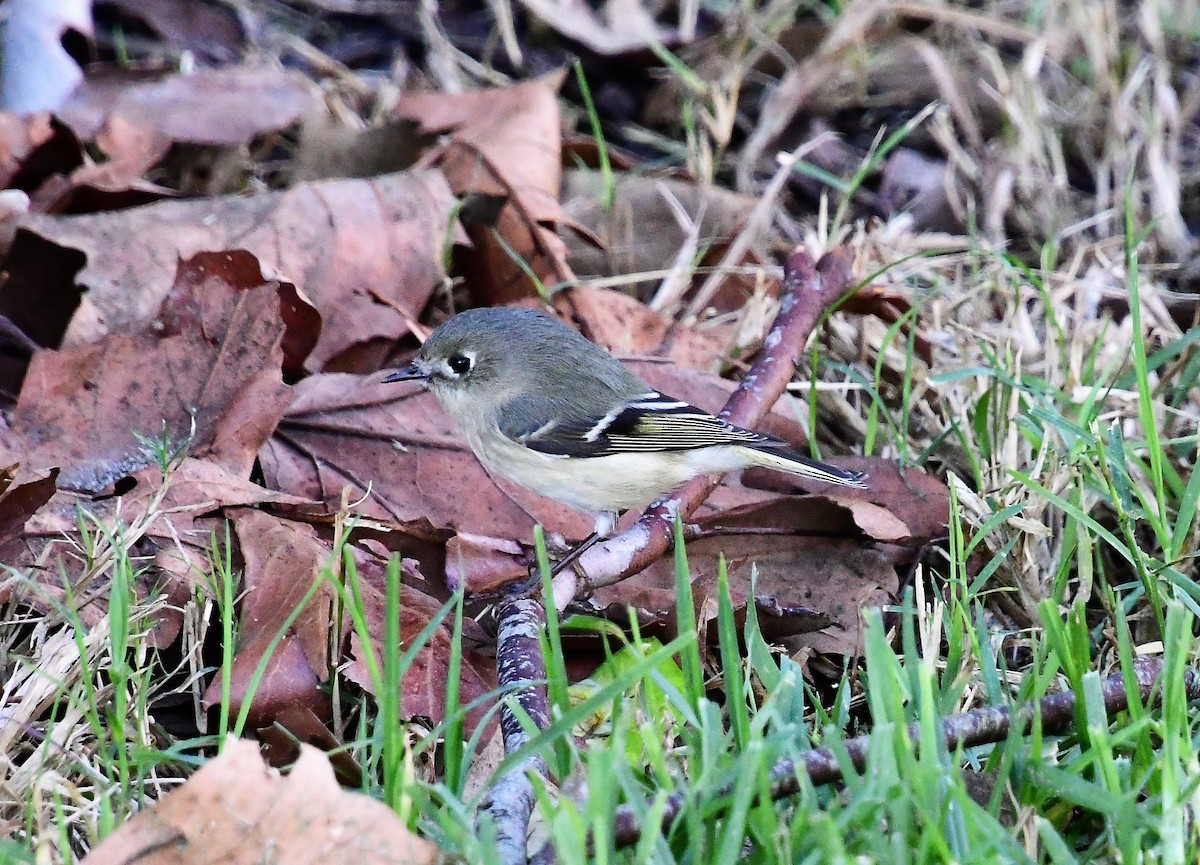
283 561
503 144
816 555
366 253
34 147
199 282
215 384
616 27
626 327
297 725
38 73
902 506
423 689
211 32
18 502
822 576
167 528
237 811
224 106
889 306
482 565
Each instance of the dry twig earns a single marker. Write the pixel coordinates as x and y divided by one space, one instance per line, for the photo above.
979 727
519 665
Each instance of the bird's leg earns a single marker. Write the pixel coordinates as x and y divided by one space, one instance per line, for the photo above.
605 524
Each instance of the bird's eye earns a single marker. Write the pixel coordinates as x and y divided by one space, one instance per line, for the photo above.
459 364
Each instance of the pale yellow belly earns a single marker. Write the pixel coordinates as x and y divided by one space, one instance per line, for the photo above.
608 483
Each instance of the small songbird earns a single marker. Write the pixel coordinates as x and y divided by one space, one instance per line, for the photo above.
552 412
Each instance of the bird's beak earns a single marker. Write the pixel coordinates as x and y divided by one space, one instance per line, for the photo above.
415 371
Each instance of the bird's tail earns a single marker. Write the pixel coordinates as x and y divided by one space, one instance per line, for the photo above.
792 463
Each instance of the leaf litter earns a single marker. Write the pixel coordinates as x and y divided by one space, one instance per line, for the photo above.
344 277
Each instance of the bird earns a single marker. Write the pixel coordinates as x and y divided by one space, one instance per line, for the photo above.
551 411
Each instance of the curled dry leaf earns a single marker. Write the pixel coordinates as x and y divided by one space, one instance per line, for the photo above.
830 577
366 253
237 811
628 328
503 144
483 565
19 500
34 147
296 725
902 506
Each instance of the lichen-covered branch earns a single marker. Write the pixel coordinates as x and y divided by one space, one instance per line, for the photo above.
519 665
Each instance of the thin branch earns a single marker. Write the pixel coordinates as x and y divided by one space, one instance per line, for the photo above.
519 664
977 727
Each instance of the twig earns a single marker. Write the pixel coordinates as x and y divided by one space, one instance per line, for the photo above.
519 664
977 727
808 291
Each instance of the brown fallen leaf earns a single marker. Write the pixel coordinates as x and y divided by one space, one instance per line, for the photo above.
214 383
283 560
484 565
224 106
503 144
890 306
366 253
617 27
830 577
34 147
236 810
214 33
204 280
423 689
627 327
298 725
165 528
830 554
902 506
20 498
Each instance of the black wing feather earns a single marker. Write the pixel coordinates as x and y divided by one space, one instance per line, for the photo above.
650 423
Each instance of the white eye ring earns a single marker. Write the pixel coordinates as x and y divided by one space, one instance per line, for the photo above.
460 364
